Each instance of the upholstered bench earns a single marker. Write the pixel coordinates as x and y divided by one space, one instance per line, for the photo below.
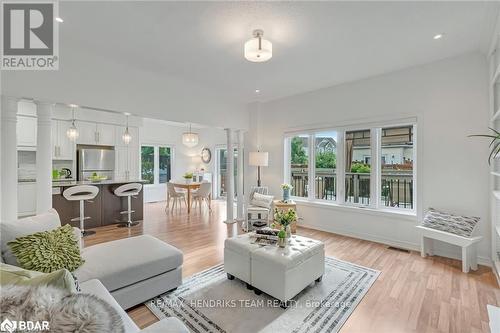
237 257
451 229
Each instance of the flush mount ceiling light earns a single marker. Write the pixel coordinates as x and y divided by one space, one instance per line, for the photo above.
438 36
126 137
72 132
257 91
190 139
258 49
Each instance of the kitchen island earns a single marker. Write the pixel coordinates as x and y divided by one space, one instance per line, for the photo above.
104 209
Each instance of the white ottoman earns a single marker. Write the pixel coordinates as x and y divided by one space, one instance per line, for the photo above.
284 272
237 257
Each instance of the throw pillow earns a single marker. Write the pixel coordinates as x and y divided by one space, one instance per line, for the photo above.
48 251
261 200
22 277
454 224
10 230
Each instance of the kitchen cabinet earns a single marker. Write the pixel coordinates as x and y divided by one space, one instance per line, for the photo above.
134 133
26 198
26 131
95 133
62 147
126 162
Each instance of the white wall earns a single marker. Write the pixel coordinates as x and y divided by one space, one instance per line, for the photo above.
185 159
450 100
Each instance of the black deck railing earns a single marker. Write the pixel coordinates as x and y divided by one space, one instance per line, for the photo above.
397 186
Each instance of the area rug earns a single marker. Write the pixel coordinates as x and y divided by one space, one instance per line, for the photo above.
209 302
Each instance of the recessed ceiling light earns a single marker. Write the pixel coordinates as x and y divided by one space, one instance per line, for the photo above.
438 36
60 20
257 91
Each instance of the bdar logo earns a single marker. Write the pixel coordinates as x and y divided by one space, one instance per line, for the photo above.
8 326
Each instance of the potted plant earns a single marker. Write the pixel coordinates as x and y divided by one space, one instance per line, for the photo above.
188 176
286 191
285 218
494 144
281 238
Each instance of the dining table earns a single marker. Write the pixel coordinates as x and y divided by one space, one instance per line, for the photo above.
188 186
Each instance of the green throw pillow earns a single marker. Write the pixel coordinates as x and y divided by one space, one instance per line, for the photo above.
19 276
48 251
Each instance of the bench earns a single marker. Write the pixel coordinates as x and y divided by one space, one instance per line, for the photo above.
468 245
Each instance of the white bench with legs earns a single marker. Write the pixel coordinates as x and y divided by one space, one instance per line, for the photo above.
451 229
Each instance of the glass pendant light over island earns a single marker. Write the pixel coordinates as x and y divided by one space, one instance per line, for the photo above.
72 132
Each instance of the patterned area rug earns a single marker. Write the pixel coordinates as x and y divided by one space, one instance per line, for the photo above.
209 302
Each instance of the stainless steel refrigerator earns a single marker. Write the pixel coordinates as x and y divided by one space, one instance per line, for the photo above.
95 161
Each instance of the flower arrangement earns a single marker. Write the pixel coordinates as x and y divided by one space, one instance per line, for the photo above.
188 175
286 191
286 186
285 218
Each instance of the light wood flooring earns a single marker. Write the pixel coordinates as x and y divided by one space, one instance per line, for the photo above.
412 294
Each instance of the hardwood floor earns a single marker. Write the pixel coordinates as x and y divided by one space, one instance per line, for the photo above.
412 294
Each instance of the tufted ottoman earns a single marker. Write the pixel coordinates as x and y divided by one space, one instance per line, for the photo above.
279 272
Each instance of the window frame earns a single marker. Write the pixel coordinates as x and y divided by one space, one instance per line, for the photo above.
375 167
156 161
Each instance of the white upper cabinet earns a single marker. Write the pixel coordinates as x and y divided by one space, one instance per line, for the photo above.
62 147
95 134
26 131
127 162
134 132
105 134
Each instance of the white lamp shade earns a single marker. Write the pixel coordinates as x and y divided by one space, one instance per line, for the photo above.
258 158
190 139
255 54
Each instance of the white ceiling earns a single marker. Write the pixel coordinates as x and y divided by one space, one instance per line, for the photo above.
315 44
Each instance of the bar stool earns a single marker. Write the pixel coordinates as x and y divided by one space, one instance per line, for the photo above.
81 193
128 190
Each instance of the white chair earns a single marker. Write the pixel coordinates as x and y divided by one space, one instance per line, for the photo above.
128 190
81 193
256 216
203 195
175 196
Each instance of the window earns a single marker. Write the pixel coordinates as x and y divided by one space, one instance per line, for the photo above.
397 167
357 167
156 164
299 165
326 165
370 166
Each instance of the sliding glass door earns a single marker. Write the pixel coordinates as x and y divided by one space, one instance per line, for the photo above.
222 171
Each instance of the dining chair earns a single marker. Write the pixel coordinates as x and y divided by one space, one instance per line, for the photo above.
175 196
203 195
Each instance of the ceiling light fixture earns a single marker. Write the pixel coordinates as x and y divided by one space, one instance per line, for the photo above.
72 132
60 20
438 36
258 49
126 137
190 139
257 91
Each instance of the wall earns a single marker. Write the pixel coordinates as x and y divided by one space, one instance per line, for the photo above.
185 159
450 100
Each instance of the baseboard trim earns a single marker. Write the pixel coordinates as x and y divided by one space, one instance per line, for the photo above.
485 261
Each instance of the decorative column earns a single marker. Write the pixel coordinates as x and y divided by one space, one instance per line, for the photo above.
230 177
9 158
239 194
44 157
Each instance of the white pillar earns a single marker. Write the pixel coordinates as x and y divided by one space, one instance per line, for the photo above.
44 157
9 158
239 195
230 177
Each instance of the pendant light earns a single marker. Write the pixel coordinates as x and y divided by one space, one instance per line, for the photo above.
190 139
258 49
72 132
126 137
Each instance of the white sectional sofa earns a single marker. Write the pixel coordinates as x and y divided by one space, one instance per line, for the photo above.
124 272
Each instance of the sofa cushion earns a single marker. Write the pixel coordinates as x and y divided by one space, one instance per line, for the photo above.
127 261
11 230
454 224
94 287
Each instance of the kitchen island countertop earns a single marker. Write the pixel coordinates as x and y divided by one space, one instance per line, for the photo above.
62 183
